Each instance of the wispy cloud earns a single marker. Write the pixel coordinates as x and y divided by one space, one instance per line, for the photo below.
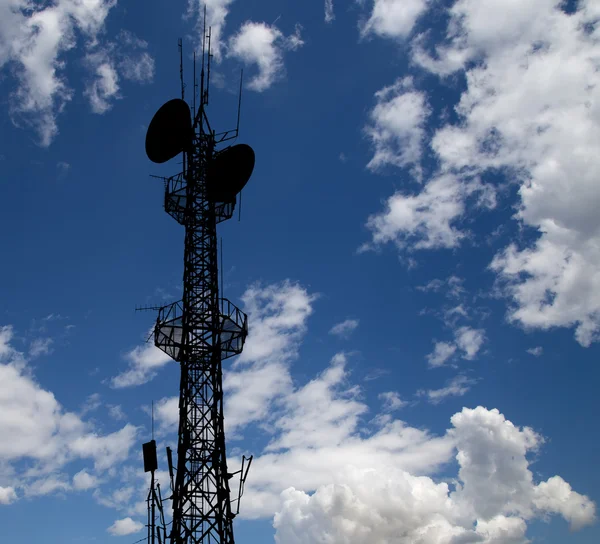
144 363
35 40
329 15
457 387
344 328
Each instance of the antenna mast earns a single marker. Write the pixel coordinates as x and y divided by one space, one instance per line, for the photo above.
202 329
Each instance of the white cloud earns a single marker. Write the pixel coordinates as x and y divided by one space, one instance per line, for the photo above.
536 352
329 15
104 87
126 526
397 128
83 481
135 64
34 39
144 362
469 340
46 486
529 109
37 430
441 353
91 404
277 316
392 401
106 450
216 13
345 328
426 220
263 45
318 434
493 499
457 387
116 412
260 376
8 495
453 284
40 346
394 18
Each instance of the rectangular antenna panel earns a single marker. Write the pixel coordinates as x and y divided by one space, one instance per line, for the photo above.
150 461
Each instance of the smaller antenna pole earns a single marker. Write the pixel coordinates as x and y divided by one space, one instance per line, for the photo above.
180 44
152 420
209 57
195 85
237 129
203 54
222 283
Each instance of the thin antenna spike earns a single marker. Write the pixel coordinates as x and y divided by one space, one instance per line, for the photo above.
195 87
222 283
237 128
180 43
209 57
152 420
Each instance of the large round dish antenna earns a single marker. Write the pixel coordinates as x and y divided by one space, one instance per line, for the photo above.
170 131
228 172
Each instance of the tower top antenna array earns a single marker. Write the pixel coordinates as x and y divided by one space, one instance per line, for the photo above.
203 328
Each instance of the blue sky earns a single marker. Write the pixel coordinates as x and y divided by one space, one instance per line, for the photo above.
417 253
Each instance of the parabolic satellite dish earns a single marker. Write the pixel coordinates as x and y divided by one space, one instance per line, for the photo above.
170 131
228 172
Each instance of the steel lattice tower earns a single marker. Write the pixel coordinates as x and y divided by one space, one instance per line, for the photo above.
202 329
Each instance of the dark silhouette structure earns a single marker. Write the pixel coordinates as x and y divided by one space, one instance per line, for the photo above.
202 329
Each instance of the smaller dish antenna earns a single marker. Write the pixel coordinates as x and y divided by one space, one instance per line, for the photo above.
170 131
228 173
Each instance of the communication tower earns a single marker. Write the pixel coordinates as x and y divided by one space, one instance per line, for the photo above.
202 329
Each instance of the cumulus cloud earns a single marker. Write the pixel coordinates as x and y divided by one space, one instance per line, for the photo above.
126 526
397 128
542 139
260 376
428 219
493 498
144 363
37 430
344 328
457 387
83 481
394 18
263 45
277 317
517 116
318 432
536 352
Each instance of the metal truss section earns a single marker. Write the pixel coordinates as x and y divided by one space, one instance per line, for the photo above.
234 329
168 332
176 198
